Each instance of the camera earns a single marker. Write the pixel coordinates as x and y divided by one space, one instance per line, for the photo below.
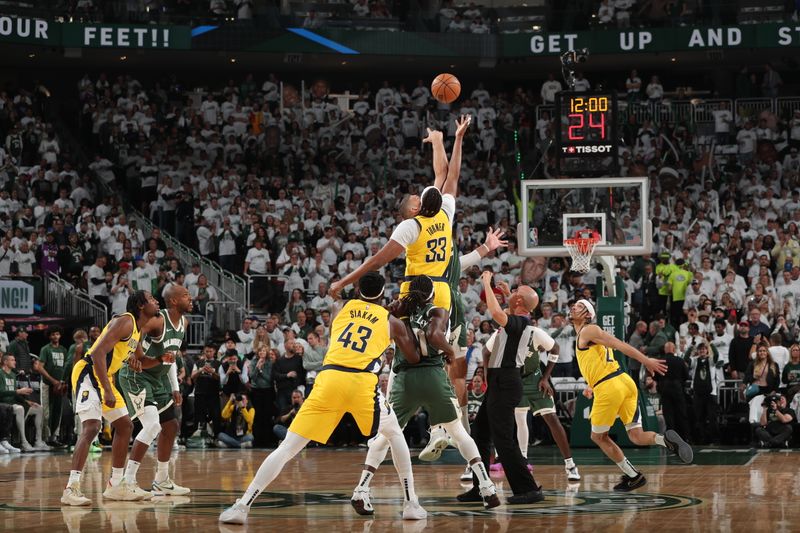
571 58
238 397
771 398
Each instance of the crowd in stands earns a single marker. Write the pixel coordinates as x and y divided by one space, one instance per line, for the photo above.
305 191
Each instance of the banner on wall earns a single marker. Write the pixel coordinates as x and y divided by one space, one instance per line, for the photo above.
16 297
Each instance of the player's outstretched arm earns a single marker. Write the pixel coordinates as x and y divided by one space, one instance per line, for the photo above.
401 334
454 167
389 252
594 334
439 157
494 239
435 333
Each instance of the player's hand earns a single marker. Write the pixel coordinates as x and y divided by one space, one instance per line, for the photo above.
335 290
291 374
494 239
433 136
588 393
486 277
109 399
503 286
655 366
462 125
168 358
24 391
134 364
545 388
177 398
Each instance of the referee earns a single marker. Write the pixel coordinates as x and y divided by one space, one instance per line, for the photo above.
494 422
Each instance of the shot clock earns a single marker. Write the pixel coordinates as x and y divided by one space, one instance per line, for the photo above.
586 140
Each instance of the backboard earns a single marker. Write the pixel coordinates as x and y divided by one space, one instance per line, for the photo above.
553 210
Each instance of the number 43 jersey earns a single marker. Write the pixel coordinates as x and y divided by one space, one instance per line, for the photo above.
359 336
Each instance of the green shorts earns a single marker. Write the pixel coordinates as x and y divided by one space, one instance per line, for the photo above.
141 389
458 319
534 398
427 387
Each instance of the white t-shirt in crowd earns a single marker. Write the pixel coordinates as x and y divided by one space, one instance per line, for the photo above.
258 260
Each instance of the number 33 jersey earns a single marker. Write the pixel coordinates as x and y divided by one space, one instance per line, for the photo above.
359 336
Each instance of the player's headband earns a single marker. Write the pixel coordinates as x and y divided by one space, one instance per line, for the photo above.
589 307
426 189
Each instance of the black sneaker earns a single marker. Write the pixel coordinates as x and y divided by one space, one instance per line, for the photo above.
472 495
534 496
630 483
678 446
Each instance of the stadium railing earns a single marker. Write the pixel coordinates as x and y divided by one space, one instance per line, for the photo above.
64 299
269 278
226 315
198 331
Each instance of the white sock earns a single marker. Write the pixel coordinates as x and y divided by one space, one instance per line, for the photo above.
131 470
627 468
366 477
480 470
116 476
523 433
465 418
569 463
401 458
162 471
660 440
74 478
272 466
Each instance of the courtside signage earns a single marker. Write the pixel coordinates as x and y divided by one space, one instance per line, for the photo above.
16 298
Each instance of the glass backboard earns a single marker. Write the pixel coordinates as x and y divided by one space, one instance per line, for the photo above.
616 208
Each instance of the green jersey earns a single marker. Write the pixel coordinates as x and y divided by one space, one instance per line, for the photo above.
171 340
474 401
430 355
454 268
55 360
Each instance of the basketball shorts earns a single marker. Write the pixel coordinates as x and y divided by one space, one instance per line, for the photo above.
535 399
427 387
141 389
88 400
615 398
458 324
335 393
441 293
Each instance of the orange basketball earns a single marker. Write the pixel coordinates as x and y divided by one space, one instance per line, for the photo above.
445 88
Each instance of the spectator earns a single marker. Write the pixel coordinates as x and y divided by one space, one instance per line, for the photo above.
312 359
288 414
654 90
238 417
775 424
475 398
244 9
22 407
723 121
52 365
772 82
262 394
705 386
206 381
3 337
233 373
670 387
605 15
313 22
288 374
761 378
246 337
633 86
581 83
654 399
457 25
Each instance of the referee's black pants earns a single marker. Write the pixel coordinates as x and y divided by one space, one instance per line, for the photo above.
495 423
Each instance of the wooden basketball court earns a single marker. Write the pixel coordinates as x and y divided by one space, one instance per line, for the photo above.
726 490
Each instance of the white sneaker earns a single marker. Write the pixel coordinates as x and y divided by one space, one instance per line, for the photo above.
169 488
27 447
572 473
140 493
3 451
414 511
436 445
221 444
121 493
467 474
74 497
235 514
41 446
247 444
361 503
8 447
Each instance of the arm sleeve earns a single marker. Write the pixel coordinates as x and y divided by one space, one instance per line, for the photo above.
173 377
470 260
406 232
542 340
449 207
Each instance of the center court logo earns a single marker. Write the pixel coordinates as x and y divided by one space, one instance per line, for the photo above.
329 504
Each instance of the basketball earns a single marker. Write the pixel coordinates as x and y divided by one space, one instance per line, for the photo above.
445 88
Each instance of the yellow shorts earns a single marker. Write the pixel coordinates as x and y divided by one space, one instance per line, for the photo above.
441 294
616 397
335 393
88 400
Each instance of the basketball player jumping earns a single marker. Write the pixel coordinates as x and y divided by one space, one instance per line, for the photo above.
347 383
616 395
153 393
96 397
424 384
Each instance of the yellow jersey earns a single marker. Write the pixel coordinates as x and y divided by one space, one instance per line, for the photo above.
359 336
430 254
595 362
122 349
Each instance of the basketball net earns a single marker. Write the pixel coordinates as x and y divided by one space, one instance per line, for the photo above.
580 248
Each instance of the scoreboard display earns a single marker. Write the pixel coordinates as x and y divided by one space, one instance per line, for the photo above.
586 140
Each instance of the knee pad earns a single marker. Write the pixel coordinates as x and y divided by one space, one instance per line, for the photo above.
150 425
